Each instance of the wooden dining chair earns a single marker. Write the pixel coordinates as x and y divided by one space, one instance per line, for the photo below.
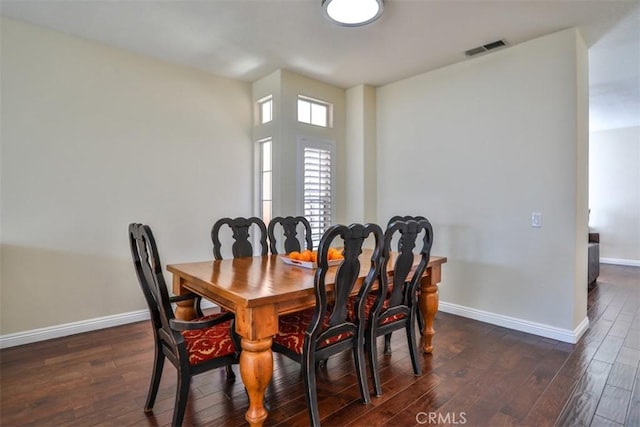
325 329
395 306
193 347
420 315
288 228
241 231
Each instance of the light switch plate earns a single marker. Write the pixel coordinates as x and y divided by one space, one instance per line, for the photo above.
536 219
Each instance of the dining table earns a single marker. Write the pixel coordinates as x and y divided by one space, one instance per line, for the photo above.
259 289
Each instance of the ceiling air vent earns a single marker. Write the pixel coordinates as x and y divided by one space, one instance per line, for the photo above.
485 48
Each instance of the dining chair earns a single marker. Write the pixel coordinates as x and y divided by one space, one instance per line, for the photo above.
241 231
394 306
420 316
193 347
288 227
324 330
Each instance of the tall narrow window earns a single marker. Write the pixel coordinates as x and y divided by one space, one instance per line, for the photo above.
265 179
314 112
265 108
317 188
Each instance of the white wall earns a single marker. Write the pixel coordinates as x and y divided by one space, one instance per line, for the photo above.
614 193
477 147
361 174
94 138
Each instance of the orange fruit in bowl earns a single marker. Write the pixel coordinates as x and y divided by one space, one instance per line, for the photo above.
294 255
314 256
333 254
305 255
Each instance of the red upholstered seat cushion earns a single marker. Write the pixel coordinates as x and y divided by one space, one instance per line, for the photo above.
292 327
368 305
391 319
209 343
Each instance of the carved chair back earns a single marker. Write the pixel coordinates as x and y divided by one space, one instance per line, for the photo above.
346 275
401 296
289 229
148 268
241 230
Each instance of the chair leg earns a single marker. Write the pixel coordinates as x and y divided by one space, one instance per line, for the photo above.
158 364
361 371
321 363
413 347
420 321
230 374
387 344
182 394
311 393
372 350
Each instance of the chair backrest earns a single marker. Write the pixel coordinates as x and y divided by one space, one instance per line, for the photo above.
346 275
149 271
240 227
405 218
405 279
289 226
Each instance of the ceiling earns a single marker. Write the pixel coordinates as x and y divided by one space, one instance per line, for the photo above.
247 40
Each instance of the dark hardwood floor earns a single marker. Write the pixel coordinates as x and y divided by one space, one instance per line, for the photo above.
479 375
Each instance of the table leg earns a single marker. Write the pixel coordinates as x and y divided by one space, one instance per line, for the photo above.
428 301
185 310
256 368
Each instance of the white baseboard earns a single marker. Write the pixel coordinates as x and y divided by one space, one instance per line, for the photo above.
620 261
564 335
42 334
205 303
57 331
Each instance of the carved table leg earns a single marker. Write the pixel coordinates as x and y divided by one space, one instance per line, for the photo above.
428 301
256 368
185 310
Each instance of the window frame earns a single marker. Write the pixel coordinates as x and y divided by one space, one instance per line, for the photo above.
261 103
261 172
315 102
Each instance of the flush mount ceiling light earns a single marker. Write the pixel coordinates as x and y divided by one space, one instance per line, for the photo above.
352 13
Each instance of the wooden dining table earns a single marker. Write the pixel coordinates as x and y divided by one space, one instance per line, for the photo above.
262 288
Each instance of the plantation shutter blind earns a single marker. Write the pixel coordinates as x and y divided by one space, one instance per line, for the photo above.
317 191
